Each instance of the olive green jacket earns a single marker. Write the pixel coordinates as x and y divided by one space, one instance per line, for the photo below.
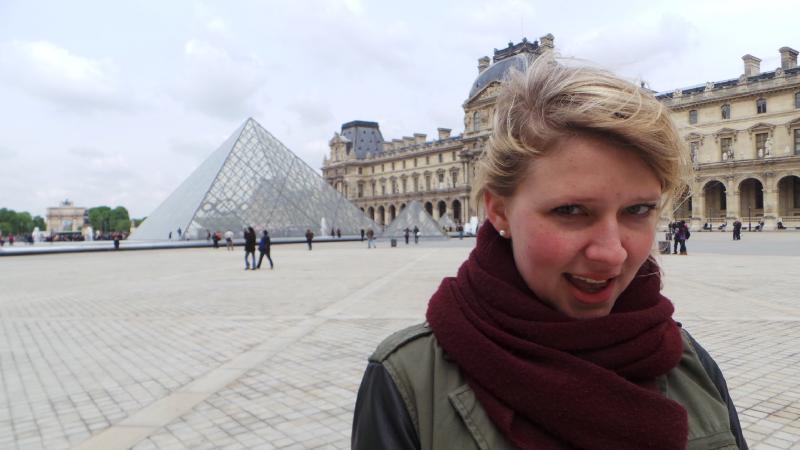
443 412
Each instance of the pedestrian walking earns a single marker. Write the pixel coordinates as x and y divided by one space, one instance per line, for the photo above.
264 248
229 240
338 233
416 234
216 238
370 238
682 233
737 230
406 234
249 248
362 235
310 237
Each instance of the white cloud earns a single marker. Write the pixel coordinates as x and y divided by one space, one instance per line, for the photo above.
7 153
55 74
219 83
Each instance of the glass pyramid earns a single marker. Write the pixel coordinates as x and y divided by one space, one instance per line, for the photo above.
413 215
252 179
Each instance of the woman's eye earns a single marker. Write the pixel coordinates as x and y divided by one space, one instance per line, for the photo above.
568 210
640 210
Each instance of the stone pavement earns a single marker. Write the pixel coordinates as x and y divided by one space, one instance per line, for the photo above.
173 349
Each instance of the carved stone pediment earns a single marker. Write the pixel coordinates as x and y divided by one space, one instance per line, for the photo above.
725 132
793 124
694 137
761 127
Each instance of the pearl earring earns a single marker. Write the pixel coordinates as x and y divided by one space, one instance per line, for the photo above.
503 233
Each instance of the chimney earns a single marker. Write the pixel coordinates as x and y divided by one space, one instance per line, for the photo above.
752 65
546 41
788 58
483 63
419 138
408 141
444 133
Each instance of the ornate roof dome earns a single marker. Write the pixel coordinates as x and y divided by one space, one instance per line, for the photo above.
517 56
498 72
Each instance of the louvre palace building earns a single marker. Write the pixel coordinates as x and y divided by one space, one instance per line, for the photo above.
743 135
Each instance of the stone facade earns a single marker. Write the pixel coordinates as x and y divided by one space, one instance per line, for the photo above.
437 172
66 218
743 135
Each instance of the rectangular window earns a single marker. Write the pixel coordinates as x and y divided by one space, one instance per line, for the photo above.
761 144
693 116
360 190
797 141
725 145
373 169
359 171
726 111
405 185
392 166
415 162
383 168
404 164
383 189
427 160
761 106
454 156
427 182
797 99
416 183
441 178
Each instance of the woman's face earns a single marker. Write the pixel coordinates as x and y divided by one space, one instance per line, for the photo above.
581 224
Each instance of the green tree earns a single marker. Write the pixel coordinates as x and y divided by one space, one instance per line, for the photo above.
12 222
99 217
107 220
38 221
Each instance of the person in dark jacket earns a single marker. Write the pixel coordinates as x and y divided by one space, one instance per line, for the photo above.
554 333
249 248
309 237
263 248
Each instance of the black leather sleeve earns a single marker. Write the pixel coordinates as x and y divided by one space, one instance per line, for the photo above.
712 369
381 420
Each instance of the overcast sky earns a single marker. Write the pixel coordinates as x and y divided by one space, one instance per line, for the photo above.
115 103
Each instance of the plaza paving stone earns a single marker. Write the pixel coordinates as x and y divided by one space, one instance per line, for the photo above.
174 349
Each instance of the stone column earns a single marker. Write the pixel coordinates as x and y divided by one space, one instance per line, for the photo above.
698 210
770 202
731 202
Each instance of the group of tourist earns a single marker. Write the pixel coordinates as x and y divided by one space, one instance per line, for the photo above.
264 246
679 233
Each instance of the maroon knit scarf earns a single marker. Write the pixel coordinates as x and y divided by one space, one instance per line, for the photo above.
551 382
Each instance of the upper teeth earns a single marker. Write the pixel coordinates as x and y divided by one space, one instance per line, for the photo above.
589 280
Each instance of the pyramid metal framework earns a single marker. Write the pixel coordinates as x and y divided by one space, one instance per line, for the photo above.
413 215
447 222
252 179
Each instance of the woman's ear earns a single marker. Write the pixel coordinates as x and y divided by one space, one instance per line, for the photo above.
496 211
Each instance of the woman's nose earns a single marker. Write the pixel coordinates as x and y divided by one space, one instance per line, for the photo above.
605 245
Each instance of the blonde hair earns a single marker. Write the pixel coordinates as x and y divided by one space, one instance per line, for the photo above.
551 101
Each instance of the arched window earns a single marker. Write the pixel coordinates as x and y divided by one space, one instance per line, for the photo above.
476 120
726 111
761 106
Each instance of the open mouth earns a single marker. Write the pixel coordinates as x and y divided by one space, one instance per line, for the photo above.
586 284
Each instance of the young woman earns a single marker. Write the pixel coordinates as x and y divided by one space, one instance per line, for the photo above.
554 333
